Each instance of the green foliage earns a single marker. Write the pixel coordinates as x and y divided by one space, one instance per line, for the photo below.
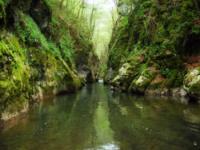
154 23
70 16
155 35
29 33
174 77
67 29
34 59
2 10
124 22
3 3
59 34
14 74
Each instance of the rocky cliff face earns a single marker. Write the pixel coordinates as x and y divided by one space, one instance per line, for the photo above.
155 47
37 55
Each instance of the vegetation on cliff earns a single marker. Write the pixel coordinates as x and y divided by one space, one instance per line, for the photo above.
155 44
40 42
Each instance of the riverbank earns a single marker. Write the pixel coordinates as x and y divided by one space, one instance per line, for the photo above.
155 48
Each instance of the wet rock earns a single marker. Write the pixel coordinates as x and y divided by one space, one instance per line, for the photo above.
109 75
84 72
183 93
16 110
152 92
178 92
164 92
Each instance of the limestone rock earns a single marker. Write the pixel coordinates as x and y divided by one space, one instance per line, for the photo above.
124 76
192 82
141 83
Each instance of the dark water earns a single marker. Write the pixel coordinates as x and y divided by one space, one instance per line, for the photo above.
97 119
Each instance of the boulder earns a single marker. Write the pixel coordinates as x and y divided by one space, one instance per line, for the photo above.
192 83
142 82
124 77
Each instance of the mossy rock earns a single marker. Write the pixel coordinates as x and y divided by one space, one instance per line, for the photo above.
14 74
192 82
142 81
124 76
29 33
12 109
51 71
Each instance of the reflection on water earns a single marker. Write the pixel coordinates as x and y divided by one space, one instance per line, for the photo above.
97 119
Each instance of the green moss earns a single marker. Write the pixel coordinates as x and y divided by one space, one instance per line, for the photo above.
35 59
50 72
174 77
59 34
30 34
14 74
156 33
69 31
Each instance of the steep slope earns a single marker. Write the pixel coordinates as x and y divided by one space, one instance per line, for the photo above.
155 47
38 53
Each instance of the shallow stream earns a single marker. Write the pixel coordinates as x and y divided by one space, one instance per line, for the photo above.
95 118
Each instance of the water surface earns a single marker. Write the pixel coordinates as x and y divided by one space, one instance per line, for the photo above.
96 118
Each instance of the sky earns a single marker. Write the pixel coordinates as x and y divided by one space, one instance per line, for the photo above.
105 4
103 24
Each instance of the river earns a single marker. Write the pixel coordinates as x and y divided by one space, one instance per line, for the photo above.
96 118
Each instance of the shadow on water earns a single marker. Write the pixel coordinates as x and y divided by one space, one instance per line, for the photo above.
95 118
